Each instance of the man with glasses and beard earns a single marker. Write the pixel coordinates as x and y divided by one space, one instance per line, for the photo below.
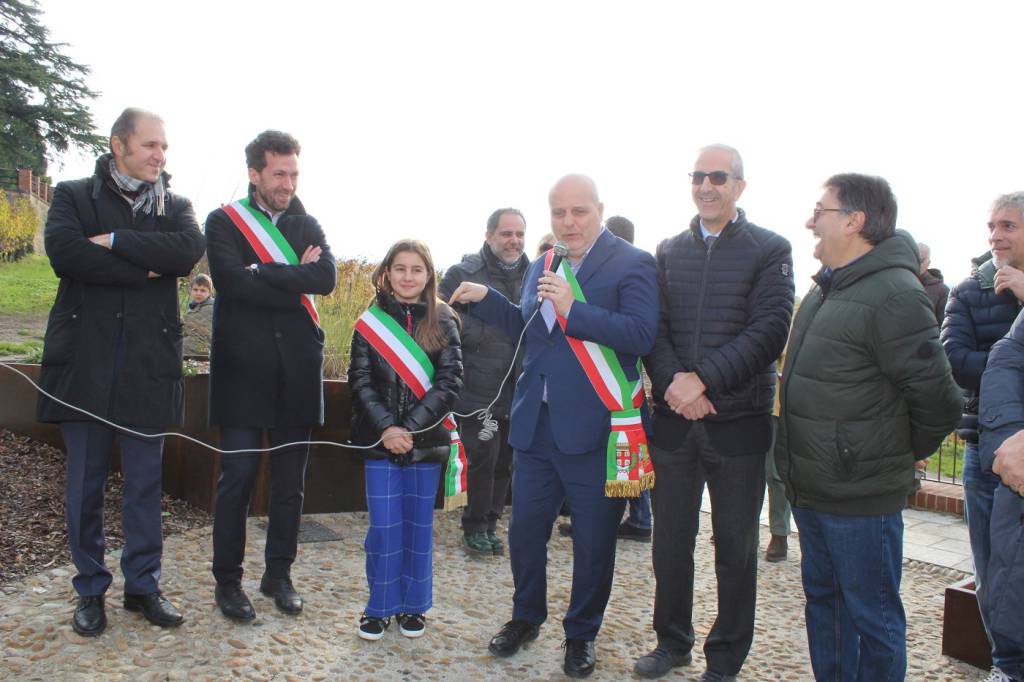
268 257
487 355
726 302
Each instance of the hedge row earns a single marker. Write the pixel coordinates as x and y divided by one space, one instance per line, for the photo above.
18 222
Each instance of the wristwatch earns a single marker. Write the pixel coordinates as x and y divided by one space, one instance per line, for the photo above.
254 269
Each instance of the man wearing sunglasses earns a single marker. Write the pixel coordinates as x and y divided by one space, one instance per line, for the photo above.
726 302
866 392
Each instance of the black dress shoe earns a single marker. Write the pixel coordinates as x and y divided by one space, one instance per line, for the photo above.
580 657
90 618
660 662
512 635
233 602
155 608
286 599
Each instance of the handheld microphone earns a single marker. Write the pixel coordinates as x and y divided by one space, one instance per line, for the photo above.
561 251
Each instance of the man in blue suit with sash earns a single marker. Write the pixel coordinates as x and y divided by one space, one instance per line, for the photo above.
595 319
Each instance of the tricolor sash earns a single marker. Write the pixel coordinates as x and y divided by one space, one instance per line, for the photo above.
410 362
629 470
267 241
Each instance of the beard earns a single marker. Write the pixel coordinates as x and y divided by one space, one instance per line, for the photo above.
272 203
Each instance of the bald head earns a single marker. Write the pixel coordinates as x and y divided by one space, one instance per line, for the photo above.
576 213
577 180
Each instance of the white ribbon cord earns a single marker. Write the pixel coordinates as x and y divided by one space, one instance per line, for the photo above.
483 414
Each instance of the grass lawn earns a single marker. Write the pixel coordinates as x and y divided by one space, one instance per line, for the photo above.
27 286
946 463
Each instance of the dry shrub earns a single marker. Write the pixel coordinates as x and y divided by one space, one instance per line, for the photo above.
338 313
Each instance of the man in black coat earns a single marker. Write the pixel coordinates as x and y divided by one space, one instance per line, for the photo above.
268 258
726 303
487 355
118 241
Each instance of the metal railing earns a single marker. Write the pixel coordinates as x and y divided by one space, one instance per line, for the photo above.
946 465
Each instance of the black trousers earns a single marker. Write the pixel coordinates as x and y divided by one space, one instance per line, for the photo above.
234 493
89 446
736 484
488 477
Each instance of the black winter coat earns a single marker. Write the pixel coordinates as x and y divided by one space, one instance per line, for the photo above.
725 314
113 340
266 355
380 398
976 317
486 351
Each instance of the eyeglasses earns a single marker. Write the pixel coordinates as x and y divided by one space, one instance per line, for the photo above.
716 177
818 211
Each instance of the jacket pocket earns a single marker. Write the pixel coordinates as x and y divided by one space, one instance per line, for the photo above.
168 360
61 337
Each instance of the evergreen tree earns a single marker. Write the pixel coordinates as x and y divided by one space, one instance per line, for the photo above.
43 93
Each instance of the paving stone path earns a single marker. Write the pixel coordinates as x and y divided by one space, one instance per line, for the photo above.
472 598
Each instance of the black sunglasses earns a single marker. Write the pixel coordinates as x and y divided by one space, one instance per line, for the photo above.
716 177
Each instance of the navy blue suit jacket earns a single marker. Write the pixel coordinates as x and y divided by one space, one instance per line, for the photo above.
619 282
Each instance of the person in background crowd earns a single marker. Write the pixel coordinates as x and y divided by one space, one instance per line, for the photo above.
979 313
198 320
931 279
779 512
866 392
726 303
487 356
405 375
545 244
118 241
268 257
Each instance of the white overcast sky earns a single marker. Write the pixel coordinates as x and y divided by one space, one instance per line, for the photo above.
419 118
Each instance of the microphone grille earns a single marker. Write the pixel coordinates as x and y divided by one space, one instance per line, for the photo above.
560 249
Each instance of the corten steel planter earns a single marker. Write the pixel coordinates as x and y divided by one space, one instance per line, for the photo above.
334 477
963 634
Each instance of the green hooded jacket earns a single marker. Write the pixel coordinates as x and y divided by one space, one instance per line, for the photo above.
867 388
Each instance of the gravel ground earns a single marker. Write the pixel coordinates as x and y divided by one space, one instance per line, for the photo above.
472 598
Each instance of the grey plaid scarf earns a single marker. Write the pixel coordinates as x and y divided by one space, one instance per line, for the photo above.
150 196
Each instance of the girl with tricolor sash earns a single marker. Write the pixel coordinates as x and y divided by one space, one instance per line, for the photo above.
405 375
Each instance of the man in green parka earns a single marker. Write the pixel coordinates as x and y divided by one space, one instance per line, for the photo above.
867 391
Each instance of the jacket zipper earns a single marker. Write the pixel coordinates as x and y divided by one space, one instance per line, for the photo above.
700 304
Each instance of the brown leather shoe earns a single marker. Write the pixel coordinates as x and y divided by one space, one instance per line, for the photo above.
777 549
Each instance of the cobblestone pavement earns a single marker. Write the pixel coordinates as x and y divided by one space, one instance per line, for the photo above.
472 598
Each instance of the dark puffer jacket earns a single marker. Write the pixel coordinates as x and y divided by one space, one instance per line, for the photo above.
486 352
867 389
113 341
380 398
976 317
725 314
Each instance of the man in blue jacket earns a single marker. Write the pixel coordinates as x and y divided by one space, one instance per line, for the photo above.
560 426
1001 586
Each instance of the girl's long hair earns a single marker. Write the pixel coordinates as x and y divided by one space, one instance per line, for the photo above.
428 334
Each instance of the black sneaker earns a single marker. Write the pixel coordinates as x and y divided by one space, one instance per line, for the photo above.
630 532
372 628
412 624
